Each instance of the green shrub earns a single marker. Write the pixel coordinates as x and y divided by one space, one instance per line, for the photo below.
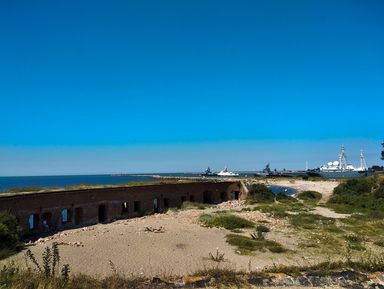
262 229
309 196
364 226
280 210
379 193
259 234
246 245
353 238
260 193
310 221
273 210
379 243
222 277
283 198
365 195
8 239
227 221
13 277
193 205
9 234
354 242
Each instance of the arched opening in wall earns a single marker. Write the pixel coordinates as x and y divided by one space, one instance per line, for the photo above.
223 197
65 216
166 203
46 219
207 197
102 213
156 205
33 222
78 216
191 198
235 195
124 208
136 206
183 199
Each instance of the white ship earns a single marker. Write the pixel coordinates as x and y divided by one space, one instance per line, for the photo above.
226 173
342 169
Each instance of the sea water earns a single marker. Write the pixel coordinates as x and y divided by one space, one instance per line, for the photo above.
7 183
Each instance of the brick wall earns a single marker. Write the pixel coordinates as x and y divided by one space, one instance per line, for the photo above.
51 211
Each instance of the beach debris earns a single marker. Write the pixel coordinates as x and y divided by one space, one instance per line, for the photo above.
74 244
44 240
377 278
195 281
160 229
233 204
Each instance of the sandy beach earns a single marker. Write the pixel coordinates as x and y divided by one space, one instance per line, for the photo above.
181 246
323 187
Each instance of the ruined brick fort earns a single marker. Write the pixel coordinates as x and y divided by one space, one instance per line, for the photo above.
46 212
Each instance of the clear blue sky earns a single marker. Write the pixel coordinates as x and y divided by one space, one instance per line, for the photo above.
141 86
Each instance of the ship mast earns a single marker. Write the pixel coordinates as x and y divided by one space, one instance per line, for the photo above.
342 159
363 164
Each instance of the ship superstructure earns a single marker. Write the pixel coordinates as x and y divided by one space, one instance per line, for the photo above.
226 173
342 169
208 173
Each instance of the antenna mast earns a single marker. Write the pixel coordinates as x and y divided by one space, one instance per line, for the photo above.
363 164
342 159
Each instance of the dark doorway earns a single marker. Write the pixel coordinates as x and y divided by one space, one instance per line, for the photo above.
136 207
207 197
102 213
124 208
78 216
65 216
191 198
235 195
223 197
166 203
183 199
33 222
46 219
156 205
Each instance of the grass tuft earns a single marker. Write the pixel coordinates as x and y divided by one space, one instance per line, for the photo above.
246 245
227 221
309 197
193 205
310 221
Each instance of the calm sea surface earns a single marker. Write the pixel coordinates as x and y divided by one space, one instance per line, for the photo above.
7 183
278 189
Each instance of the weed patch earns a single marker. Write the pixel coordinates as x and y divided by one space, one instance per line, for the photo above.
9 235
260 193
227 221
193 205
310 221
365 196
309 197
223 276
246 245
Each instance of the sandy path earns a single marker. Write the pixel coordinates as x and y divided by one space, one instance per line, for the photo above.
183 248
323 187
329 213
